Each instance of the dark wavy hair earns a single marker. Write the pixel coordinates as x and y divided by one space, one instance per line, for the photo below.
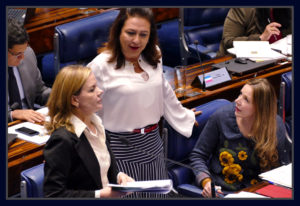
150 53
16 33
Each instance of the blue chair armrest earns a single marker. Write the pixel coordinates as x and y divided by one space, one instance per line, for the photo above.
180 175
189 190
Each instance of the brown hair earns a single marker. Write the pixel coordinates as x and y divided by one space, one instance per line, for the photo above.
150 53
265 126
68 82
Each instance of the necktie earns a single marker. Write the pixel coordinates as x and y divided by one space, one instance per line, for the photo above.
13 90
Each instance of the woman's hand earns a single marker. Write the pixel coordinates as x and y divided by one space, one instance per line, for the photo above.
207 190
271 29
107 192
123 178
196 113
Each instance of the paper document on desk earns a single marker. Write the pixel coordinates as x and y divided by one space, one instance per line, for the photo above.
256 50
157 186
280 175
41 138
244 194
283 45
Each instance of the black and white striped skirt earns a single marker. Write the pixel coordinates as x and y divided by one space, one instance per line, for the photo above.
142 157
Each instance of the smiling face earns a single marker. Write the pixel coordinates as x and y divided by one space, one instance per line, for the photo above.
16 54
244 103
89 99
134 37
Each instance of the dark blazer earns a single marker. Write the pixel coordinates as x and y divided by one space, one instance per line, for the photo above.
35 90
71 166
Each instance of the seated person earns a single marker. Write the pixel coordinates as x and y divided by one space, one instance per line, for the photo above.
78 159
241 140
25 84
255 24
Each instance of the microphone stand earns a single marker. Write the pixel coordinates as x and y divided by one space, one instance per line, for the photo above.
196 42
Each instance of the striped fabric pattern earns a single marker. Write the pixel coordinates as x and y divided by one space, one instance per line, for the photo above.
141 166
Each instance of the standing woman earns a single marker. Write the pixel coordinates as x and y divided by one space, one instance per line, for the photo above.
136 96
241 140
78 159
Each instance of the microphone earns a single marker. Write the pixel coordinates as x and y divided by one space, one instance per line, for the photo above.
14 106
196 42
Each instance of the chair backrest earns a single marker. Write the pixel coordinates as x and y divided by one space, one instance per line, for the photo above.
204 25
179 147
79 40
287 79
168 36
32 181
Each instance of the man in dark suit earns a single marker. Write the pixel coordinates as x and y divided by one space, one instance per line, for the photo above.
25 84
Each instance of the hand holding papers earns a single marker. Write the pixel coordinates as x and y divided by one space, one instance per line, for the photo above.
157 186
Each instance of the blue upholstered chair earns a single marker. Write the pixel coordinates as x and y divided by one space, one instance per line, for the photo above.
168 36
32 182
179 147
285 105
77 42
204 25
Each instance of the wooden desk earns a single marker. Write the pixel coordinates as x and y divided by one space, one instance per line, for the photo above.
229 90
21 155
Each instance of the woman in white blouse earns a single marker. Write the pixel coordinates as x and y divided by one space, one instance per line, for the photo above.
136 95
78 159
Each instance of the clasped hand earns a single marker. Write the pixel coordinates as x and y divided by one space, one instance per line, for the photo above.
271 29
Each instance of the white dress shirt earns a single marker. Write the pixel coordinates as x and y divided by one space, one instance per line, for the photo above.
131 102
97 142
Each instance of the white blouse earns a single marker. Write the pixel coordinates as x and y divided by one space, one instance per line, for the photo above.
131 102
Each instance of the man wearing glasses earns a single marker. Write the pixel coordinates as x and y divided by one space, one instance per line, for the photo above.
25 84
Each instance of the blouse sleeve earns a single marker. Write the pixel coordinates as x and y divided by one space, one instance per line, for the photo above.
179 117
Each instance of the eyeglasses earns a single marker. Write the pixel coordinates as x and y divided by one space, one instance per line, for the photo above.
17 55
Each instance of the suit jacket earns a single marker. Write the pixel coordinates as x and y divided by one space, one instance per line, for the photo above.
35 90
71 167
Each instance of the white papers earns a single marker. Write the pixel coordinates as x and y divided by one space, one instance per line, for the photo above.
283 45
244 194
158 186
280 175
41 138
256 50
44 111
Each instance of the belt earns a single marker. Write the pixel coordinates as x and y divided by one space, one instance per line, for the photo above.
146 129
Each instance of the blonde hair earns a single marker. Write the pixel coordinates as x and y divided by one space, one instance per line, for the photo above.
68 82
265 125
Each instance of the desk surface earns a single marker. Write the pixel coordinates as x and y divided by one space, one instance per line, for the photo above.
21 155
228 90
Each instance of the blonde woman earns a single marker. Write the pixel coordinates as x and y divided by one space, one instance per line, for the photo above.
241 140
78 159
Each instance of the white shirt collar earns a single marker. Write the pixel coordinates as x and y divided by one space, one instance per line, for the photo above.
79 126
